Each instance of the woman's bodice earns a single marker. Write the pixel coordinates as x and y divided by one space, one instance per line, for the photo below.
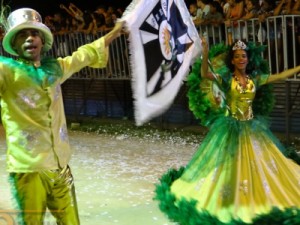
240 100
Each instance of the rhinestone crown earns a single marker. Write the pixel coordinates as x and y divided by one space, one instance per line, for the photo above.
239 45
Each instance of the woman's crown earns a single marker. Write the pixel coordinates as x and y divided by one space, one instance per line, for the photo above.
239 45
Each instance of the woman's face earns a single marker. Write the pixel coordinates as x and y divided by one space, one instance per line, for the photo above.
240 59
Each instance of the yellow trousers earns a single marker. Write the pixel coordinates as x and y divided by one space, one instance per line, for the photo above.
38 191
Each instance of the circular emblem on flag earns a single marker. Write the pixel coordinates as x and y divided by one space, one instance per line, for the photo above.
166 40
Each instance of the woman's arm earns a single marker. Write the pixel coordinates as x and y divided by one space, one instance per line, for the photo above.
283 75
204 65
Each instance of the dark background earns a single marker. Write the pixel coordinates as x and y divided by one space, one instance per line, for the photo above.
48 7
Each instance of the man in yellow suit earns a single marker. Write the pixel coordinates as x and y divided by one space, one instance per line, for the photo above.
38 150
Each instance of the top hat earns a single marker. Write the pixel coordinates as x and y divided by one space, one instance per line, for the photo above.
25 18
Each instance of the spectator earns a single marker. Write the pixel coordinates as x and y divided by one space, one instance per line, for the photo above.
203 11
226 7
88 22
73 11
100 17
235 12
283 8
221 2
214 20
251 11
60 25
74 25
296 8
119 12
110 18
193 11
76 13
215 16
49 23
266 10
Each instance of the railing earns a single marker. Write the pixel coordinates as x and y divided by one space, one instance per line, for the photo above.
118 66
280 34
276 33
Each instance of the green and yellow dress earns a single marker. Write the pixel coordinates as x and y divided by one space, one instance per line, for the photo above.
239 174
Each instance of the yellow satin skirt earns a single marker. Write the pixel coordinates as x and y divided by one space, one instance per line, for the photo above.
240 172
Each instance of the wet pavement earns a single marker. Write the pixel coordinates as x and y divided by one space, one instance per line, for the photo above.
115 176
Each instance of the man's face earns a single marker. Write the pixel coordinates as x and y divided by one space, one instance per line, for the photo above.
28 43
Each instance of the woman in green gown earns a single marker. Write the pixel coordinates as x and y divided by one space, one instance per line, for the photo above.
239 175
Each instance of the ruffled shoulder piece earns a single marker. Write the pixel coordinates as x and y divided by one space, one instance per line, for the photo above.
206 97
8 61
49 69
48 64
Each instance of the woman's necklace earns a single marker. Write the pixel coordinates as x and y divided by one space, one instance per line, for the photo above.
242 88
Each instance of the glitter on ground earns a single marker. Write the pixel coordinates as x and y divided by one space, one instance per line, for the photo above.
115 175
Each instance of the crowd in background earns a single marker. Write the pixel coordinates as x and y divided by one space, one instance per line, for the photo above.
233 15
216 12
71 18
228 12
224 14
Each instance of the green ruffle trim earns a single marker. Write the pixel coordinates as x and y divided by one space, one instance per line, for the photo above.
291 153
185 212
49 69
199 102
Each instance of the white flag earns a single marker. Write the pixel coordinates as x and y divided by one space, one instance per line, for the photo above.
163 44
